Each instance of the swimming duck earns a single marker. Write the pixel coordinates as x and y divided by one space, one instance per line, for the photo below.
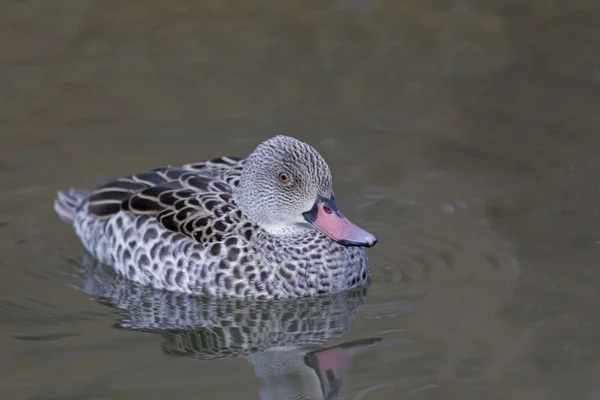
266 226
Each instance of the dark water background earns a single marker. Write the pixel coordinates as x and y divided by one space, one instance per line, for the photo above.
464 134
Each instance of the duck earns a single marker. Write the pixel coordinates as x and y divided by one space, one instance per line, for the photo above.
266 226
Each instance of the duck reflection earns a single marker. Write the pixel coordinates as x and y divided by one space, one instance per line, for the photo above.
282 339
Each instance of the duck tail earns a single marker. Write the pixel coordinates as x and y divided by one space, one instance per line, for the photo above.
67 204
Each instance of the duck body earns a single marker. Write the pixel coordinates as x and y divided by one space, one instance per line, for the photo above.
198 229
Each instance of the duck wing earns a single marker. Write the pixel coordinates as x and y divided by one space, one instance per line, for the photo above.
195 200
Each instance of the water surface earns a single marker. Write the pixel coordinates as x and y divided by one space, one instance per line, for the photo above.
464 134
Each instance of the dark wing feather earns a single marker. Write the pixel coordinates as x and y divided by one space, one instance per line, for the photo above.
229 169
193 199
107 198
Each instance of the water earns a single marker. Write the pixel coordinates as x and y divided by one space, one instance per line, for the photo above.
463 134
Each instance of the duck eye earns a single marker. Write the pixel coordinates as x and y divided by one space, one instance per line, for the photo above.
283 177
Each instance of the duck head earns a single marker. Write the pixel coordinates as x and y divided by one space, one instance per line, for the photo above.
286 188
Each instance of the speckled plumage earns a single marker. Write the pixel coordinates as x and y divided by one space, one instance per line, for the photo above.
181 227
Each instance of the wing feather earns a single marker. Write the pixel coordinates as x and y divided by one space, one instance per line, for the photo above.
195 200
